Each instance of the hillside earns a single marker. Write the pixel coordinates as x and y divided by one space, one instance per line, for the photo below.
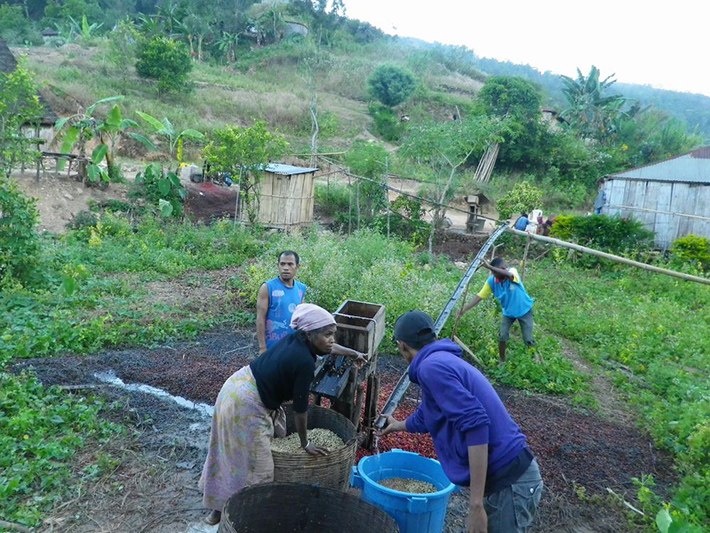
268 84
261 72
691 109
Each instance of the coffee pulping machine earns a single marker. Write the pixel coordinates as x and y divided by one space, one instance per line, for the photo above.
361 326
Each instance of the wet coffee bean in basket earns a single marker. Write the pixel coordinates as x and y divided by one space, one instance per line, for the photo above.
408 485
323 438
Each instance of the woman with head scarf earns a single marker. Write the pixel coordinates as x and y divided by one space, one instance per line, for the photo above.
243 421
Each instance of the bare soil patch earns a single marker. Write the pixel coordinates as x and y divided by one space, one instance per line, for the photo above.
458 246
59 199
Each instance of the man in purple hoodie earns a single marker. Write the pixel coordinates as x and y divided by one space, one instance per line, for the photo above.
477 442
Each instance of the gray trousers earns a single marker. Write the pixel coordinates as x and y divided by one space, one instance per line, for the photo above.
526 326
513 509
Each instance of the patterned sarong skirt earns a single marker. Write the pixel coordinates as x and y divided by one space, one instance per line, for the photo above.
240 441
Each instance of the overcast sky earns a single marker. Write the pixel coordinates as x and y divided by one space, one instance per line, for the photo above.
663 44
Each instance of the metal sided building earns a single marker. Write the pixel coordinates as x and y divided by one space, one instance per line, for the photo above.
670 198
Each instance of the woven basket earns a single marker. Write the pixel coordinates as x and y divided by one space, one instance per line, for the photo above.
298 508
332 470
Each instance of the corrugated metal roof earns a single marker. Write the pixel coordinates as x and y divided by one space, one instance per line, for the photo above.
288 170
689 168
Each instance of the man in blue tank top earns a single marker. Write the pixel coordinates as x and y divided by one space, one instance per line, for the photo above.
277 300
507 287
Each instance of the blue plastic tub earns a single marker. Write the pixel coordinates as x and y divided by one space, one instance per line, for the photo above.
414 513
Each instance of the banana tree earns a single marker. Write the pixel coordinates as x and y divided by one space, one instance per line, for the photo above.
171 136
78 129
591 108
84 30
227 44
196 30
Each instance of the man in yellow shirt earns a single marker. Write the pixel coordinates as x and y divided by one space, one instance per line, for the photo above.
514 300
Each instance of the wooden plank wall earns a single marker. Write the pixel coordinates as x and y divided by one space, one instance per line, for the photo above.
658 201
286 202
702 208
664 193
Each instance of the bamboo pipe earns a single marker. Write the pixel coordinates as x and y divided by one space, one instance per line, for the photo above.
611 257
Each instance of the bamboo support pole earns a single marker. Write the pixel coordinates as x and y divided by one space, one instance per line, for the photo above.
525 257
611 257
350 206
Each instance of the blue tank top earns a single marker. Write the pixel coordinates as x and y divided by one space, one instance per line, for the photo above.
282 302
513 298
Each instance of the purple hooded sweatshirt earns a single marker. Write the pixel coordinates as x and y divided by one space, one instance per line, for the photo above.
460 408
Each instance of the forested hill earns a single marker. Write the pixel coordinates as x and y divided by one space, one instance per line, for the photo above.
692 109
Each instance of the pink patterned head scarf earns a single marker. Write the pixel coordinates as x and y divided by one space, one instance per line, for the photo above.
308 317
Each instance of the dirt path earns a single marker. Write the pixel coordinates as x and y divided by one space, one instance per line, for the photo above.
154 486
611 405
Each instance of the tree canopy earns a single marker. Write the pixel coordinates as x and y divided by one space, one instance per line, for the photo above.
166 61
391 85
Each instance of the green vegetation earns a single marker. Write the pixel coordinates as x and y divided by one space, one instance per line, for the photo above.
245 152
650 332
19 106
445 147
41 431
692 249
104 261
166 61
162 189
612 234
691 110
523 198
83 126
369 160
391 85
19 241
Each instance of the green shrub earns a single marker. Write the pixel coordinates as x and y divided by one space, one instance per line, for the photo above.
369 160
387 125
166 61
692 249
391 85
332 199
522 199
612 234
163 190
405 221
82 220
19 241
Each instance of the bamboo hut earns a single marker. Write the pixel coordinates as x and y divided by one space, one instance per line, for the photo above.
286 195
670 198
